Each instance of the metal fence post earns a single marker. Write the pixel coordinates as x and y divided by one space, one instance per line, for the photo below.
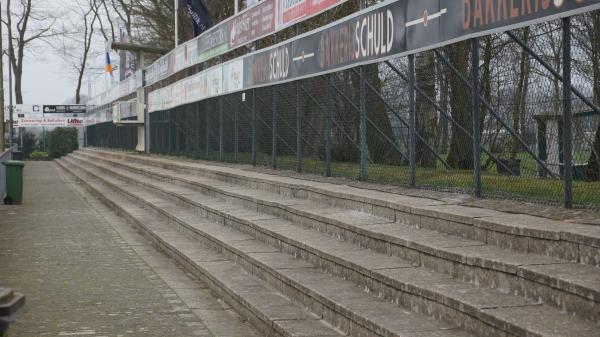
274 128
476 116
567 114
207 127
363 118
363 126
221 145
328 117
412 124
254 127
299 151
236 136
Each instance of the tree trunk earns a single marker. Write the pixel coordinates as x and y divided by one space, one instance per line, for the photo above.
426 114
460 155
18 85
381 150
520 96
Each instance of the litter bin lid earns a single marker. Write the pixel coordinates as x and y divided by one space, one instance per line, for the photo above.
13 163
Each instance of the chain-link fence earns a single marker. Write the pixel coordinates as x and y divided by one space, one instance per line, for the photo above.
413 121
111 136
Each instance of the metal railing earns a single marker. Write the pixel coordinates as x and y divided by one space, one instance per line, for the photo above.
500 115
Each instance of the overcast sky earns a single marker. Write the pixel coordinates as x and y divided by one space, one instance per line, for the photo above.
46 77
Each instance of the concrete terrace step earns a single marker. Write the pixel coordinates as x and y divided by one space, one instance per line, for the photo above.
390 276
267 309
560 239
574 288
341 302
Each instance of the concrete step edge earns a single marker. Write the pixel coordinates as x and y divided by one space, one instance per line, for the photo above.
517 272
259 318
454 301
493 224
174 218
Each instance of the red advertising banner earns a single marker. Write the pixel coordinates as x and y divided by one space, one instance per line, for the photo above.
292 11
252 24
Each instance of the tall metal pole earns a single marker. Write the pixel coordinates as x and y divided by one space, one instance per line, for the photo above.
10 99
567 114
237 6
207 129
476 117
363 118
1 89
236 137
254 127
412 124
176 12
299 150
274 136
221 139
328 120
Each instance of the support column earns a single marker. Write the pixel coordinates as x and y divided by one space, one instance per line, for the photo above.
567 114
476 111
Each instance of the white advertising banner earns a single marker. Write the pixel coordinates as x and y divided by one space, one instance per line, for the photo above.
50 122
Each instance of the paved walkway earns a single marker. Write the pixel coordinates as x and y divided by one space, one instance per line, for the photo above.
87 273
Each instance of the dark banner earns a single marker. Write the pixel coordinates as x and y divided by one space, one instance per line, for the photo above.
64 109
396 28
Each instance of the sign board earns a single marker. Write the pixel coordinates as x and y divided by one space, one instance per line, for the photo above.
27 109
49 122
253 23
64 109
387 30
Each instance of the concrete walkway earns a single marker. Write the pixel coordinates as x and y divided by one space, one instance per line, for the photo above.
87 273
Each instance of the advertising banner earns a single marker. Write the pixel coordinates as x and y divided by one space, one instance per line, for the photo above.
293 11
381 32
64 109
49 122
251 24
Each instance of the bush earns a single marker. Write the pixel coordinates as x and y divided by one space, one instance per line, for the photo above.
38 155
62 141
28 144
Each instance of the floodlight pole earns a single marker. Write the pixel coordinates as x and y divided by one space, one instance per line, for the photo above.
237 6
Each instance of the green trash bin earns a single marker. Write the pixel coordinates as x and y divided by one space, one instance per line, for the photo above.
14 181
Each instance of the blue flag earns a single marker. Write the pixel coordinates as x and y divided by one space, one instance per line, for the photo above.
198 13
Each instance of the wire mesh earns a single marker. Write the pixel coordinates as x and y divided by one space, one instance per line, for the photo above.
356 123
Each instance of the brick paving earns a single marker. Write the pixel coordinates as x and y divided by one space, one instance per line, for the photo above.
87 273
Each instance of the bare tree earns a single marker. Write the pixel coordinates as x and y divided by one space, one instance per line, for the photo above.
31 26
89 19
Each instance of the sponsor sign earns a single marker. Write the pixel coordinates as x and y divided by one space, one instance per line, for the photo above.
251 24
292 11
381 32
50 122
64 109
